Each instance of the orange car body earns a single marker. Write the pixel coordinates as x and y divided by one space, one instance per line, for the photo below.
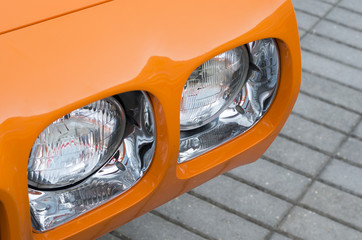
57 57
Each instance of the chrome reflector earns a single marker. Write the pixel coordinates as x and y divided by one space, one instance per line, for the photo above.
246 109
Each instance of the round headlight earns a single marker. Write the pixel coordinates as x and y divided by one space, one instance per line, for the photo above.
76 145
245 110
212 87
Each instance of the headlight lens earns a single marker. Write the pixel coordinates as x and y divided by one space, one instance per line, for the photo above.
76 145
246 108
212 86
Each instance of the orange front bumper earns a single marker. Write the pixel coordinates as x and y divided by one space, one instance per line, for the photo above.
53 67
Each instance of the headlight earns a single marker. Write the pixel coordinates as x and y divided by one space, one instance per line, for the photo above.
212 86
246 107
76 145
88 157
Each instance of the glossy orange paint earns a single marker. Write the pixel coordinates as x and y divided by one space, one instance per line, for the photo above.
16 14
53 67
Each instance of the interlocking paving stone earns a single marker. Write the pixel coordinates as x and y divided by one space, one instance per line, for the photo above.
108 237
296 156
321 112
305 21
332 92
244 199
263 173
277 236
149 226
354 5
211 220
346 17
334 202
340 33
334 70
358 130
309 225
333 50
344 175
352 150
330 1
312 133
312 6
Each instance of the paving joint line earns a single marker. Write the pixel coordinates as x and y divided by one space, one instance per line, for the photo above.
332 59
356 136
306 12
120 236
325 2
332 80
241 215
264 225
343 25
304 34
290 168
334 5
319 123
258 187
291 201
294 202
317 176
321 18
328 20
335 40
326 215
182 225
331 155
349 9
310 30
307 175
346 160
340 188
312 147
327 101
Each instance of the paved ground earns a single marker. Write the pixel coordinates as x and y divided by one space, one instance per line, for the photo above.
308 185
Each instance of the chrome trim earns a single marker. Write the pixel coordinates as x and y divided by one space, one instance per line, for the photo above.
122 171
245 59
245 111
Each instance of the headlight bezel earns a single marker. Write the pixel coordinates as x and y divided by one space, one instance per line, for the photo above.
138 147
101 162
227 125
244 58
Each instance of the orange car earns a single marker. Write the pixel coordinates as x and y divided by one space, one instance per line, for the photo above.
109 109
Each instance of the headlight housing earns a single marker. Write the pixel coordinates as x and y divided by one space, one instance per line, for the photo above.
212 86
127 158
248 105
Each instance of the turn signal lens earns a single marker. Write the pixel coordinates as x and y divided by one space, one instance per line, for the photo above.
212 87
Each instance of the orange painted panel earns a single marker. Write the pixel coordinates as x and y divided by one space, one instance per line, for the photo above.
19 13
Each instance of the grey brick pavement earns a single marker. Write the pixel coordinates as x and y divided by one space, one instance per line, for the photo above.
308 185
